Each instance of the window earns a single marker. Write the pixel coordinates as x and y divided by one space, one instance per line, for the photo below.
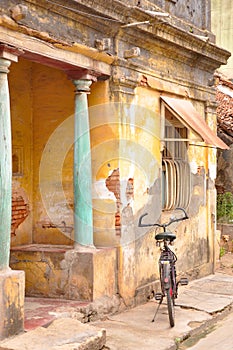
176 176
17 161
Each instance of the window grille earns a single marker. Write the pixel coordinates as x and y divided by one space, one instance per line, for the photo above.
176 177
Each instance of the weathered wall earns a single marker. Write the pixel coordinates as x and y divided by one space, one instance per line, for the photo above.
59 272
224 180
12 303
126 145
125 137
39 105
53 104
140 160
21 112
196 13
104 135
138 254
222 27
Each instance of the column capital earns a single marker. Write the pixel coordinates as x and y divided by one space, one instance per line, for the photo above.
82 79
4 65
82 85
9 52
123 82
210 107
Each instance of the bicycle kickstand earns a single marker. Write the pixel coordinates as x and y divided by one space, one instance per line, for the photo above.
156 311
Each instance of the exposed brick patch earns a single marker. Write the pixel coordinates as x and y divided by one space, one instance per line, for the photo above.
20 210
130 189
113 185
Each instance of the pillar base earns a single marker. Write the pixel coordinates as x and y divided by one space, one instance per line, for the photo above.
91 273
11 302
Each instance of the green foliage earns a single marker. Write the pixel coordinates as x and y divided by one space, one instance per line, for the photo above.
222 251
225 207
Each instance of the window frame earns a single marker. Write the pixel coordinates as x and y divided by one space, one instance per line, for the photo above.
175 169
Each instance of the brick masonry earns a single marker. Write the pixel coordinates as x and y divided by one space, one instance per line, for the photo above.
20 210
113 185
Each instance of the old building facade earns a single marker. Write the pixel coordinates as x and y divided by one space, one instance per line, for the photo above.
109 113
222 28
221 24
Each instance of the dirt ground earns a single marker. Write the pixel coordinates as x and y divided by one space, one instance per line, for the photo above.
225 264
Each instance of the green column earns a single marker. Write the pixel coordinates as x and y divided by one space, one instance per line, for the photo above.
5 166
83 216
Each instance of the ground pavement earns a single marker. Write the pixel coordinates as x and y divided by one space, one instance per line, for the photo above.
201 303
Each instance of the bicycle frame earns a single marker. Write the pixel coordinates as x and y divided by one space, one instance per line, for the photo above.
168 272
169 285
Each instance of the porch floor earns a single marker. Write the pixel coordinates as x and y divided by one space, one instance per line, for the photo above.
42 248
42 311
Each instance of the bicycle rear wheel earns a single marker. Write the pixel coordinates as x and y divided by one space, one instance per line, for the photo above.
170 307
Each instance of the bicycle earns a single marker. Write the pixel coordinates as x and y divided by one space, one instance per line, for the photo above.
167 266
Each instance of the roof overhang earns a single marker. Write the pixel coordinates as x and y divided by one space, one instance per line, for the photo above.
75 63
187 114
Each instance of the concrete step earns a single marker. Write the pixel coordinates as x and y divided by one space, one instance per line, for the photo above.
61 334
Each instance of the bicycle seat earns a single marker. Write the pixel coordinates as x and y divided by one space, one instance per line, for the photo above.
168 236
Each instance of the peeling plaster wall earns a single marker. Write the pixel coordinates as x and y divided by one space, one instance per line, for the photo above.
21 113
104 133
138 254
53 107
20 209
125 138
39 106
196 12
61 272
221 16
12 303
127 183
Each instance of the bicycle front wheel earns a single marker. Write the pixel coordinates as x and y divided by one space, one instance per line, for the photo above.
170 307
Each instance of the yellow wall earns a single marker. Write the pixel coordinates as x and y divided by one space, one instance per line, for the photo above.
124 136
104 133
125 140
53 106
41 99
22 139
42 126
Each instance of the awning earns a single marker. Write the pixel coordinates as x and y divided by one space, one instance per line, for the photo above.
187 114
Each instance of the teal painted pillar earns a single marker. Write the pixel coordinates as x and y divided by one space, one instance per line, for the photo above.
5 166
83 216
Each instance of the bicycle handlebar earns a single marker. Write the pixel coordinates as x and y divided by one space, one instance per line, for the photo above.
185 217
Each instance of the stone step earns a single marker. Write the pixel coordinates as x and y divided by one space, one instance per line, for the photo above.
61 334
